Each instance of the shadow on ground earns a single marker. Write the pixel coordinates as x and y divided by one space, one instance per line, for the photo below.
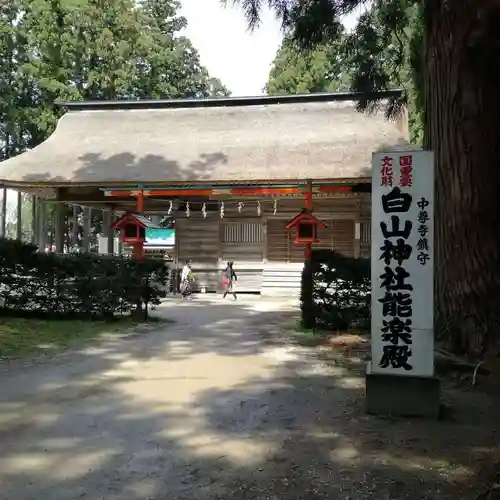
217 406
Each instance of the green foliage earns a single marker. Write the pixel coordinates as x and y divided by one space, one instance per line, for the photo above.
307 309
14 86
337 292
76 285
385 51
297 70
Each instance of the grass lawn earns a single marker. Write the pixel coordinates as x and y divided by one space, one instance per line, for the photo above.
21 337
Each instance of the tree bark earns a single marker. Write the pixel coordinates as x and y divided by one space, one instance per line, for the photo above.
462 106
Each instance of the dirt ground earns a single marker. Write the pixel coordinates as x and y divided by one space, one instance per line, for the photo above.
222 405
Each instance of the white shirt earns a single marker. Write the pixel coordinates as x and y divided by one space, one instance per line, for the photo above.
185 273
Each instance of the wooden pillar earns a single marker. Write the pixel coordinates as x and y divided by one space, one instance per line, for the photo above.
35 215
34 221
140 201
357 239
108 231
74 231
42 224
59 227
289 244
19 218
87 225
264 241
220 239
3 222
50 221
308 249
357 231
139 246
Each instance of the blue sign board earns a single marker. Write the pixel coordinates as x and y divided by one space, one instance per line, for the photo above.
160 237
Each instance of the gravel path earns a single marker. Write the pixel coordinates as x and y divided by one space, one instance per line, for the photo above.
217 406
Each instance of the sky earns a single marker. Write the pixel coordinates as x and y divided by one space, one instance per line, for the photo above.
239 58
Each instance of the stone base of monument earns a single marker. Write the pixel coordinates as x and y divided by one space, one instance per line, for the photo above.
401 395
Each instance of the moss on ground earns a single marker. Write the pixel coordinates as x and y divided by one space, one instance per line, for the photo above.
21 337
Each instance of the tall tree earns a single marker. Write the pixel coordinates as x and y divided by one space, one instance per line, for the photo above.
48 60
7 71
381 57
323 68
106 43
170 66
12 48
460 77
91 49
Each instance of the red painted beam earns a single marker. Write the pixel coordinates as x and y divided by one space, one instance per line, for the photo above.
335 189
267 191
264 191
180 192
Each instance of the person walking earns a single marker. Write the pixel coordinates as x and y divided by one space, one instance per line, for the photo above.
228 279
186 278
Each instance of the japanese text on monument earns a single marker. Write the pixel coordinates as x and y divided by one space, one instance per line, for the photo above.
395 282
400 243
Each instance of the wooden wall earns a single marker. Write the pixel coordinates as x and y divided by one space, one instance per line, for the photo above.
365 240
197 240
338 235
365 212
209 243
278 240
242 242
251 240
339 214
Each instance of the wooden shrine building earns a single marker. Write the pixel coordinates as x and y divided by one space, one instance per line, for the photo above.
230 172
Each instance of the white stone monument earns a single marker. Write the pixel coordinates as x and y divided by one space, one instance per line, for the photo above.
400 377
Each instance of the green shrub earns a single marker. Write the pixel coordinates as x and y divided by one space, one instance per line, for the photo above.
76 285
336 291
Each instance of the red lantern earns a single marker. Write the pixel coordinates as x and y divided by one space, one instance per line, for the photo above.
305 226
132 227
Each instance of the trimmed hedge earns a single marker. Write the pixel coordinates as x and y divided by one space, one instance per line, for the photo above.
76 285
307 309
335 292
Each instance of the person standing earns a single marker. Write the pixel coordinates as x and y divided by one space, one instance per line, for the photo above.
228 279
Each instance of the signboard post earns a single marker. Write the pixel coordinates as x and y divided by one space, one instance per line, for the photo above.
400 377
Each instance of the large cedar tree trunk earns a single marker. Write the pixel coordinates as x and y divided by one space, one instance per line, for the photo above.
462 91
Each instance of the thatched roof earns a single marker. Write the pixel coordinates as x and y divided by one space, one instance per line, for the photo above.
262 142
